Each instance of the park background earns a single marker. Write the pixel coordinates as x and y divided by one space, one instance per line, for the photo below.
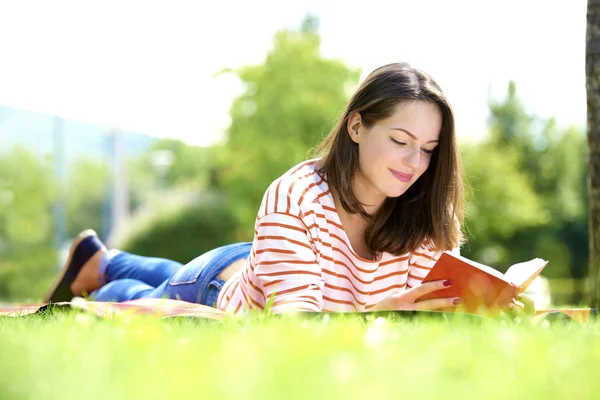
161 125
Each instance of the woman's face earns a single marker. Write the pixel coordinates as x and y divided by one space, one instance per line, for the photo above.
396 151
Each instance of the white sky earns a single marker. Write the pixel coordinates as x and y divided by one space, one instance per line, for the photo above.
149 65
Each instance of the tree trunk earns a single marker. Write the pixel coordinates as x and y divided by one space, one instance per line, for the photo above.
592 69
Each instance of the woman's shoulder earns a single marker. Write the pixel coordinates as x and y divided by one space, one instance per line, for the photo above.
295 190
300 171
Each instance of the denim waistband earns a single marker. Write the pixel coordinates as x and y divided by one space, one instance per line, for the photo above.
215 261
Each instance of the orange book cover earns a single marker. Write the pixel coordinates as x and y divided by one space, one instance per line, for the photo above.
482 288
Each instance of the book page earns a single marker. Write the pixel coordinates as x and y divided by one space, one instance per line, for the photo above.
522 274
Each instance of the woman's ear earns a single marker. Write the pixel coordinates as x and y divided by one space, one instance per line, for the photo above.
354 127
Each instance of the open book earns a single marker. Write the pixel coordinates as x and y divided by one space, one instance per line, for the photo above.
481 287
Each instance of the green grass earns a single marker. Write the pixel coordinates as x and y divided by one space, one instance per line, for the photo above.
76 356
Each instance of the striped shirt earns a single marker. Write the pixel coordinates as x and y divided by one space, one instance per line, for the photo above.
302 260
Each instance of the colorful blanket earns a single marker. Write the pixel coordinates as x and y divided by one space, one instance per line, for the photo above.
160 308
165 308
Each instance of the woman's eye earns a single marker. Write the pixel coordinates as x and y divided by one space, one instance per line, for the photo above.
397 142
428 152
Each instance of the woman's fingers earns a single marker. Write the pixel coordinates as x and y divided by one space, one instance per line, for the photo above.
518 304
517 309
426 288
408 299
528 303
436 304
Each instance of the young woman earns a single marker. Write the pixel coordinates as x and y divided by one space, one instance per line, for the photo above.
356 229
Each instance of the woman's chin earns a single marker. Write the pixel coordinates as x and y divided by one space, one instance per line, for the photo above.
396 193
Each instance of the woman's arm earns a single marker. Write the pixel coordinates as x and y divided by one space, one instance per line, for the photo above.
420 263
423 259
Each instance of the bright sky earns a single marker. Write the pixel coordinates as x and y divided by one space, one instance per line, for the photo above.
149 65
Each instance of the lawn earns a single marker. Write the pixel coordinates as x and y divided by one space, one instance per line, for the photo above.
77 356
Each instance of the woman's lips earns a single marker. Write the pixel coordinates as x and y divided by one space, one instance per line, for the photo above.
401 176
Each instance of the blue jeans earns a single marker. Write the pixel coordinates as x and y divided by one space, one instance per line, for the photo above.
130 277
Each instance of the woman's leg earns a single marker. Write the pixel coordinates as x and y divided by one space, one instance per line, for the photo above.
130 277
123 290
116 265
90 266
195 282
120 276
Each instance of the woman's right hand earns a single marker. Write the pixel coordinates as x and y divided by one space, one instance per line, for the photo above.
407 299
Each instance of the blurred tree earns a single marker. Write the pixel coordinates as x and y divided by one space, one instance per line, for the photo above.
27 274
593 117
558 174
509 124
89 195
170 165
26 195
289 102
89 187
501 202
546 191
188 214
27 259
188 164
184 231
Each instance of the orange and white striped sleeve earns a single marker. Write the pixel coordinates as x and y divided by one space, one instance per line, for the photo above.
283 265
421 261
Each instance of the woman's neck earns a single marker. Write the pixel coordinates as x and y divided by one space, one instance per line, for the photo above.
370 198
355 226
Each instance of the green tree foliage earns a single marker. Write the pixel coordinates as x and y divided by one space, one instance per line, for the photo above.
528 180
89 186
501 201
184 232
190 165
26 275
27 192
289 102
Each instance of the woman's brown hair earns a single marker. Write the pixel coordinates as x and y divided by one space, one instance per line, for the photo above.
431 208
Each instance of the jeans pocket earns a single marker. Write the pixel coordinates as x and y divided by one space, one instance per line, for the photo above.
185 275
212 293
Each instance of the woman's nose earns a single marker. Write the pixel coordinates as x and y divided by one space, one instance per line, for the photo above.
413 158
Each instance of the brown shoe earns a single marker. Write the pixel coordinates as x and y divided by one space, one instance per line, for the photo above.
85 245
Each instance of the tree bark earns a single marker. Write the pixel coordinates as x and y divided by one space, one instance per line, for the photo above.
592 69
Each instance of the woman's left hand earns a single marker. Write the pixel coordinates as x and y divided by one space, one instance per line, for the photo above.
522 305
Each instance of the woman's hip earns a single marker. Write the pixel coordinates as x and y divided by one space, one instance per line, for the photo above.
198 281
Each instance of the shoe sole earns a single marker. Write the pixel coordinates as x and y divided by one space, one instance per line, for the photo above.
59 279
